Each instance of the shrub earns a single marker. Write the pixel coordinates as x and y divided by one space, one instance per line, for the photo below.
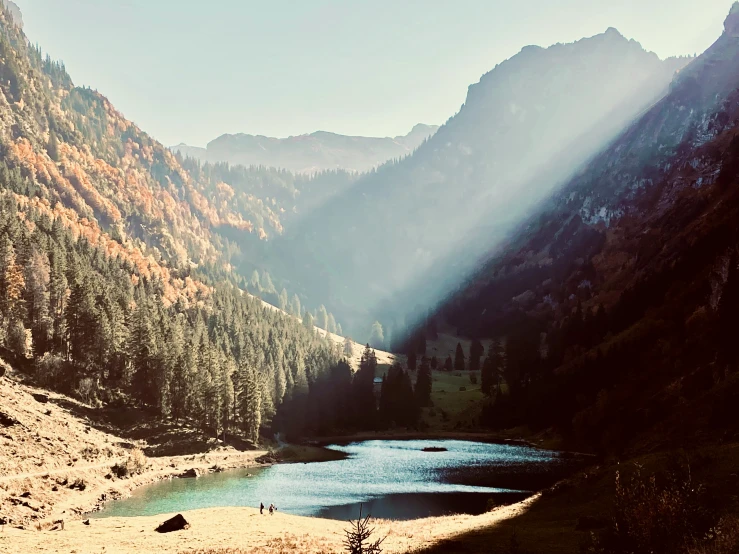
473 377
49 368
134 465
358 535
659 514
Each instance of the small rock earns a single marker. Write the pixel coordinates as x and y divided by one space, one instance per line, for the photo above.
38 397
190 473
86 522
26 495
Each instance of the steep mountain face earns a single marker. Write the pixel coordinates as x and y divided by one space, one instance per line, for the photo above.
319 151
624 286
525 127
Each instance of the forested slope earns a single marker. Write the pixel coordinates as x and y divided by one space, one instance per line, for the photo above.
113 281
619 299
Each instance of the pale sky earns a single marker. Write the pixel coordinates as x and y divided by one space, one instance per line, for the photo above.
189 71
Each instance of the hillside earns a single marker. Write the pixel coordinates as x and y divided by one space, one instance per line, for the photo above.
116 279
308 154
524 128
58 459
618 296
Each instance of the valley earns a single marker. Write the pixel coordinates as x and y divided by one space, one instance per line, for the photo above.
514 332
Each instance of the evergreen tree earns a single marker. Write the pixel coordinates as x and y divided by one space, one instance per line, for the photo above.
295 306
412 360
424 383
282 301
52 149
377 339
308 320
322 318
459 364
476 352
348 347
448 364
254 281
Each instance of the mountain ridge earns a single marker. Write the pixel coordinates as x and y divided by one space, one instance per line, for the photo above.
508 134
309 153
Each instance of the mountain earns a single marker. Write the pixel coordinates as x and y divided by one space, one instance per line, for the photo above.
618 299
527 126
316 152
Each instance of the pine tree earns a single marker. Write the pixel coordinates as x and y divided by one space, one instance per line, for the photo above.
332 324
423 383
52 149
412 360
295 306
254 281
348 347
282 300
448 364
476 352
12 285
322 318
308 320
377 339
459 364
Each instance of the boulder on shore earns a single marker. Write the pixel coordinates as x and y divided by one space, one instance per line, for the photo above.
192 472
177 523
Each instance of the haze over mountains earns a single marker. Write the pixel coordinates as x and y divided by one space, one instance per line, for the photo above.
527 126
311 153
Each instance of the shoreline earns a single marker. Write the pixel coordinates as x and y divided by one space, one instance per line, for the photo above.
245 530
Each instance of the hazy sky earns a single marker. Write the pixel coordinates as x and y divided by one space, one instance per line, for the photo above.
188 71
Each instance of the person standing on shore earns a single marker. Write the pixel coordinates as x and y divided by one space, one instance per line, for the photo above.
261 508
271 509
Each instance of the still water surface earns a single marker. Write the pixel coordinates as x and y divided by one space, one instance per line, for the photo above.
394 479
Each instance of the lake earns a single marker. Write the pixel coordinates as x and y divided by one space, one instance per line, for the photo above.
393 479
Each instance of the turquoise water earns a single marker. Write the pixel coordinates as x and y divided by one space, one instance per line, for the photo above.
395 479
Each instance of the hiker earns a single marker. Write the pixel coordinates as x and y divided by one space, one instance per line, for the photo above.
271 509
261 508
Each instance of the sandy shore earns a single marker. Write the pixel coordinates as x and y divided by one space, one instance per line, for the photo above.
243 530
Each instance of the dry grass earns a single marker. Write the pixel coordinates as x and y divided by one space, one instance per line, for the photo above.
243 529
54 464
